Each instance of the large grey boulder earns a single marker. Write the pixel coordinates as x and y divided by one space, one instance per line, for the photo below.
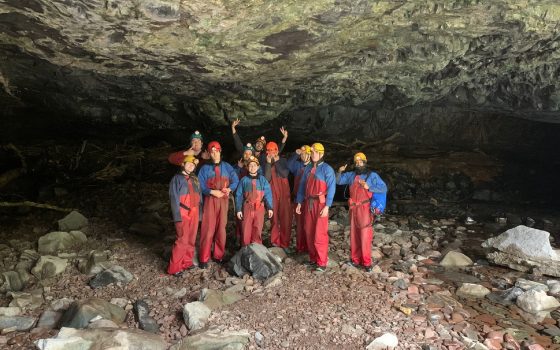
72 221
49 266
114 274
524 249
17 323
102 338
195 315
214 339
59 241
80 313
257 260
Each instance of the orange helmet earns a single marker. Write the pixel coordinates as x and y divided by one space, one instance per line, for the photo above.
271 147
253 159
214 145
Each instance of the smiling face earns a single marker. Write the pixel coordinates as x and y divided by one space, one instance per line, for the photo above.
253 168
359 163
315 156
247 154
259 146
188 167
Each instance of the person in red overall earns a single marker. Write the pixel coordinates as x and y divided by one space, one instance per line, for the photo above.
253 194
259 146
217 181
296 164
315 196
276 172
196 150
368 196
185 198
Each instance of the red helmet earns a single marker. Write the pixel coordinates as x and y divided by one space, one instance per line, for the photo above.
272 147
214 144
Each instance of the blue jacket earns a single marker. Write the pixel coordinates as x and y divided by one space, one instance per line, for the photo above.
245 185
376 186
207 174
295 164
178 187
324 174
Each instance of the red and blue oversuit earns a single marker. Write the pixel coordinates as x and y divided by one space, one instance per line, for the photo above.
281 223
241 173
316 190
253 197
214 214
185 198
363 204
296 167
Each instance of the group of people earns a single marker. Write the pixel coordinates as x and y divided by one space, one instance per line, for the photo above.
259 186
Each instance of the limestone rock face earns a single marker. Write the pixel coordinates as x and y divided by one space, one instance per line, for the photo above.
156 61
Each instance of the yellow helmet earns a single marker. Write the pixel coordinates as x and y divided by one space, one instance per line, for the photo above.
318 147
190 159
306 149
360 156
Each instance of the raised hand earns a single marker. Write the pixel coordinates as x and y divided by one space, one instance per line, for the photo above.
234 124
284 133
241 163
342 168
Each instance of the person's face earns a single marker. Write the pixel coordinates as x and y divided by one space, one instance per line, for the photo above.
304 157
215 155
196 145
253 168
246 154
272 152
259 146
315 156
359 163
189 167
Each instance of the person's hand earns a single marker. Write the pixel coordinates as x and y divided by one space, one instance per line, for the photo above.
240 215
234 124
324 212
276 157
240 163
298 209
226 191
342 168
269 158
270 213
298 151
217 193
285 133
205 155
364 184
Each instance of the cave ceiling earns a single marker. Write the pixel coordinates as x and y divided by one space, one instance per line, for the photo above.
159 62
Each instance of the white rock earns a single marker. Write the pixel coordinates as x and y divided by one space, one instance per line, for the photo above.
195 315
456 259
534 301
387 340
523 240
470 290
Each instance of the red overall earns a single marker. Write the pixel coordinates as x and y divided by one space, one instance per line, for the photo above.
361 228
238 230
301 239
183 249
316 227
214 220
281 222
253 216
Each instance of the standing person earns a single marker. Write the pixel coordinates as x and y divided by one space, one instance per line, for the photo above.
316 193
276 172
217 180
241 171
253 194
368 196
296 164
259 146
196 150
185 198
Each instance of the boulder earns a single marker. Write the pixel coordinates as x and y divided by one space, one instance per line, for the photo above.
96 262
49 319
195 315
525 249
214 339
28 300
80 313
534 301
10 311
215 299
17 323
142 313
470 290
12 282
72 221
49 266
102 338
59 241
456 259
257 260
114 274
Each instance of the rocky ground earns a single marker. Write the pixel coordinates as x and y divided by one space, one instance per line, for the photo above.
422 294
